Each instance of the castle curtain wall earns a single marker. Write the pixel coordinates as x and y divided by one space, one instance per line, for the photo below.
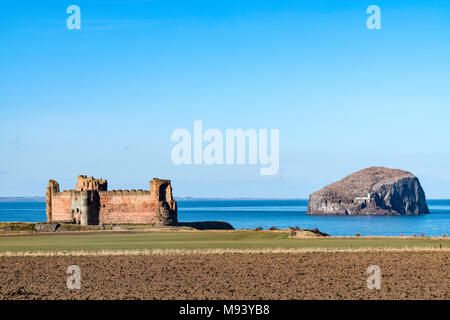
61 206
128 207
115 207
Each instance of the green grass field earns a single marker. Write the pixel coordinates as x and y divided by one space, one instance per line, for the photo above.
200 240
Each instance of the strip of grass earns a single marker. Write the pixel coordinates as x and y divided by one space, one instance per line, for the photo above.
200 240
16 226
30 227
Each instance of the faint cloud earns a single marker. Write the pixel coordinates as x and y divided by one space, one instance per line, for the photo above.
15 144
130 147
3 172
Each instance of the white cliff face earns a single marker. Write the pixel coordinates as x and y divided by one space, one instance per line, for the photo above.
372 191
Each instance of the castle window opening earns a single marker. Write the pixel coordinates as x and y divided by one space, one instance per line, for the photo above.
162 192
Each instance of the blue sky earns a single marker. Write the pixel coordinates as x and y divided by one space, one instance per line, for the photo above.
104 100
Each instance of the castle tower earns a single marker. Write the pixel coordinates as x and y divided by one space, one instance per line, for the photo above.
84 184
161 190
85 206
53 187
161 193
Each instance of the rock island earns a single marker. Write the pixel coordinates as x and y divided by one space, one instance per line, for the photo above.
371 191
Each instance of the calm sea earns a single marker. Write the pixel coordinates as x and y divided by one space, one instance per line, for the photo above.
244 214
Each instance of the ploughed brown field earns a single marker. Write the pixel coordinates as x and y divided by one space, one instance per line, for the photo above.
411 275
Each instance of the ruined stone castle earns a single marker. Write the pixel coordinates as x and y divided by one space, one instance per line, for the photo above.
91 203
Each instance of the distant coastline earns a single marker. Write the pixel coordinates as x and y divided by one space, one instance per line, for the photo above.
22 199
227 199
42 199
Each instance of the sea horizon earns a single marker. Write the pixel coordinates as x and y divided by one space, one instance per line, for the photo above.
40 198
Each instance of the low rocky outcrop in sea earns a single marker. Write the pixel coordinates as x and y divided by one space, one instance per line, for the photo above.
371 191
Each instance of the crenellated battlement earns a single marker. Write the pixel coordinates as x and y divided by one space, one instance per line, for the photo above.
64 192
125 192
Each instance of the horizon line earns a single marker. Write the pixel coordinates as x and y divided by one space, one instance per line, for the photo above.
37 198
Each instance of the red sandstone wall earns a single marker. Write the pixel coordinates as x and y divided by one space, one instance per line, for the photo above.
61 207
125 207
115 207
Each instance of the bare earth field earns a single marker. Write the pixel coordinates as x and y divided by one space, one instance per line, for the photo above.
405 275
